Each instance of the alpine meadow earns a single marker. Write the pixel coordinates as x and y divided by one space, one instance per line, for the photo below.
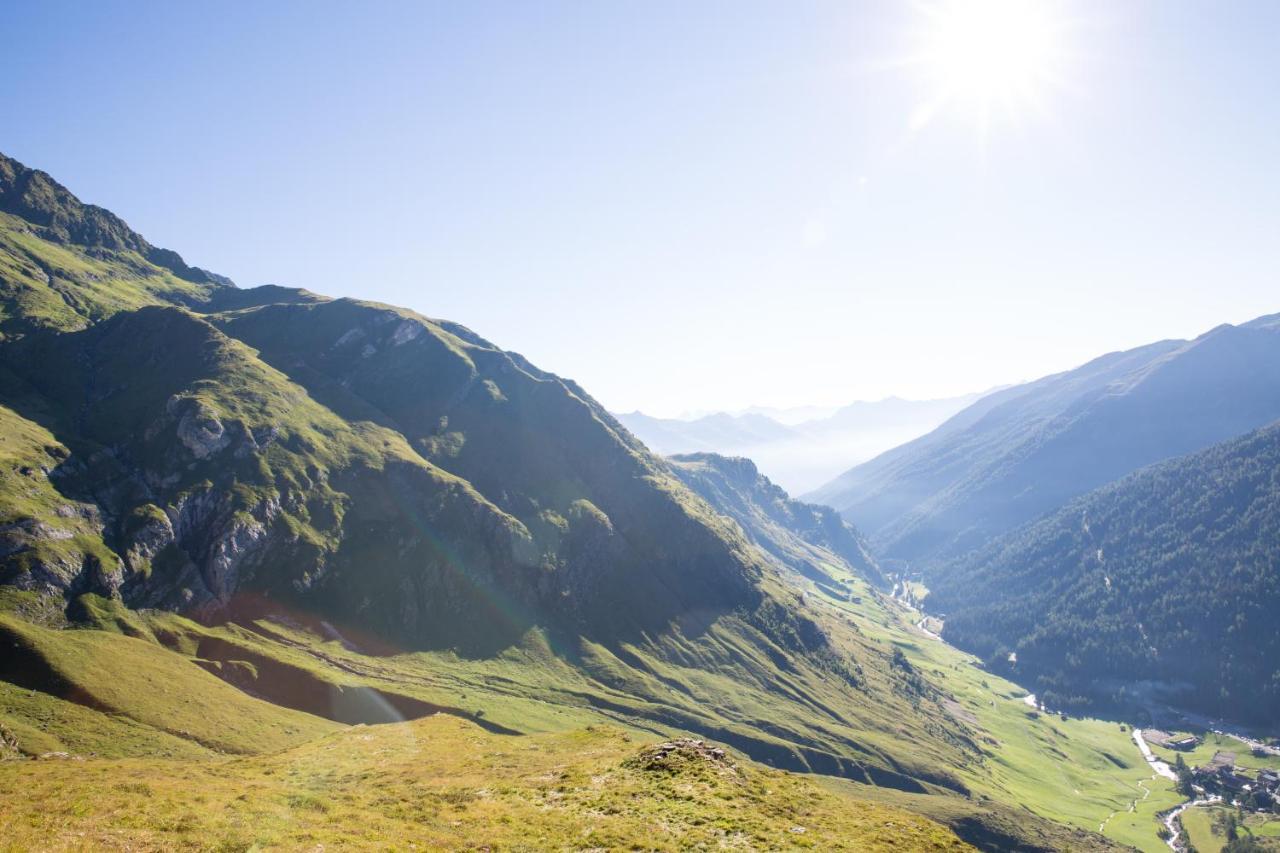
917 486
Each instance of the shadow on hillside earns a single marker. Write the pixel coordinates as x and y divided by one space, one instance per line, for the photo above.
295 687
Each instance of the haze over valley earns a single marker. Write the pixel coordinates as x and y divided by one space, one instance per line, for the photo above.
800 449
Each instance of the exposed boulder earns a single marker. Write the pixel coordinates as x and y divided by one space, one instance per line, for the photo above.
681 755
198 427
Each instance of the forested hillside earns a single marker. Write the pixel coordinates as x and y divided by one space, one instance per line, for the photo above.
1171 575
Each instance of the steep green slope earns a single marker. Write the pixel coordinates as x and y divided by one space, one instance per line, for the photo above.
446 784
1171 575
207 466
45 537
808 539
139 682
619 544
401 480
1025 451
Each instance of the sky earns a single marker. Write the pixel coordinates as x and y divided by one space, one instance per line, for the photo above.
692 206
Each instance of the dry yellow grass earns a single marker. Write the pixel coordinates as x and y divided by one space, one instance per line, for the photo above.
441 782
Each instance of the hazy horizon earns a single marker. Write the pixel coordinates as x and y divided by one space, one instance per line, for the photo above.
687 210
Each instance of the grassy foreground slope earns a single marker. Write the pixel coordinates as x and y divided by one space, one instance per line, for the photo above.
530 692
139 681
440 782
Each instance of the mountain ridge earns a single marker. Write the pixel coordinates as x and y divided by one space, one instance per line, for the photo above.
801 453
807 538
1025 451
34 196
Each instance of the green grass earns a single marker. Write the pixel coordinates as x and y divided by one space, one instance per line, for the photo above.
1212 742
443 783
54 532
1075 771
543 692
1198 823
37 723
721 684
138 680
47 285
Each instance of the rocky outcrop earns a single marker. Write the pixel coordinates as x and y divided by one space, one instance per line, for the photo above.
198 428
682 755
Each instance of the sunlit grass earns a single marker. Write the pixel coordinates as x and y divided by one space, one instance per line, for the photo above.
442 782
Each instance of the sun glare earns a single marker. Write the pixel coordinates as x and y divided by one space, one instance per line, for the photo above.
984 56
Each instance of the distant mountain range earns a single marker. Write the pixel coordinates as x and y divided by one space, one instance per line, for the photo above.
1026 450
798 448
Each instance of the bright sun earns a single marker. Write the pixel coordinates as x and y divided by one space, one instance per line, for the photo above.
983 56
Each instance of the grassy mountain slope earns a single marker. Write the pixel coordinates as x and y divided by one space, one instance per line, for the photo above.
270 451
1025 451
804 538
130 678
1169 575
444 783
65 264
204 464
534 692
238 520
618 543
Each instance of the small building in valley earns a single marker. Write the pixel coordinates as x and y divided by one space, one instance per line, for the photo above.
1170 741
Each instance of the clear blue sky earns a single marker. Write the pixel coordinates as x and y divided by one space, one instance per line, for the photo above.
684 205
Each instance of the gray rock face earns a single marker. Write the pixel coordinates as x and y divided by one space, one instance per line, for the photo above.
200 431
232 550
148 540
21 534
405 332
61 571
220 543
